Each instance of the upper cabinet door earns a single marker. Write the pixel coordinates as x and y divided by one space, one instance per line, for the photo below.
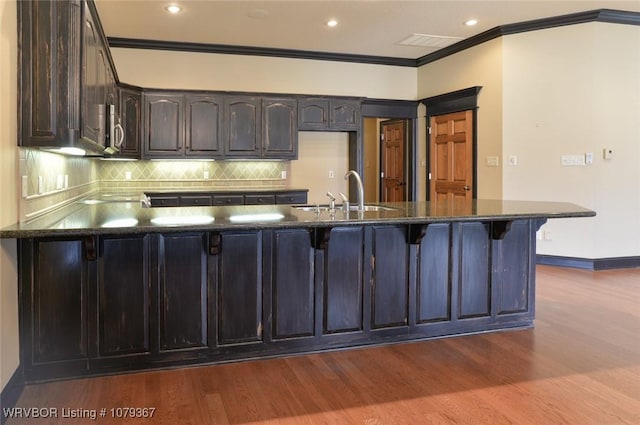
242 126
345 115
279 128
313 114
92 118
334 114
203 127
164 125
131 119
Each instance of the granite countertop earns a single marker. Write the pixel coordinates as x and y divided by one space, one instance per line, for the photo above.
126 216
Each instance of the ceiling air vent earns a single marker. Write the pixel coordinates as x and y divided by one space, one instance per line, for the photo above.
426 40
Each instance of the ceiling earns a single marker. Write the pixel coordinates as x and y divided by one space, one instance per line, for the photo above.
365 27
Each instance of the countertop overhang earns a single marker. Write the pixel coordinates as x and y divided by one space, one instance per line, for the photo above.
81 218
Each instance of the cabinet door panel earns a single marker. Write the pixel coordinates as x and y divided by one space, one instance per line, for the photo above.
91 127
131 116
474 284
293 284
345 115
60 301
183 291
242 121
313 114
279 128
204 126
240 287
123 296
511 257
343 280
163 116
390 277
434 279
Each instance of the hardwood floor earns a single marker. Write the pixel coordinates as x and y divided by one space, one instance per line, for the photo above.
580 365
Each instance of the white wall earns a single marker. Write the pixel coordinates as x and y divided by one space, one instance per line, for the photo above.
205 71
319 153
572 90
9 350
478 66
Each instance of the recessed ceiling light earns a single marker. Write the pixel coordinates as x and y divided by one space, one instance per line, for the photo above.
332 23
471 22
257 13
173 9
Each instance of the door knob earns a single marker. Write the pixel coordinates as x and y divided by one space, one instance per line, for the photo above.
467 188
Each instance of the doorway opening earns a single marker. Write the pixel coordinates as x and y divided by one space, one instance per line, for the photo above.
452 146
389 150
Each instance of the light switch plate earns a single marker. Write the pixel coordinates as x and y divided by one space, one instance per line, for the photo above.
492 161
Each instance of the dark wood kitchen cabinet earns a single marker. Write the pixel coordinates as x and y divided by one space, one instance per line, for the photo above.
93 81
242 129
203 125
67 77
164 125
182 126
433 281
55 284
123 298
279 128
238 276
103 304
390 277
291 277
184 297
131 121
328 114
343 279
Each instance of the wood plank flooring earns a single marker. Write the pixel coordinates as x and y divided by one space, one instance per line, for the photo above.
580 365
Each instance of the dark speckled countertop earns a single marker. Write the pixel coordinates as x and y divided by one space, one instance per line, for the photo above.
124 216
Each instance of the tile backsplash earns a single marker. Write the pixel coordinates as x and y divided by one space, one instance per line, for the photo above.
205 173
53 180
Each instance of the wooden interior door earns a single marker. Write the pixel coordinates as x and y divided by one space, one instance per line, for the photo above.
393 184
451 158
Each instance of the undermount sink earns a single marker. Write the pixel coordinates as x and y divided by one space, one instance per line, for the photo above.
321 208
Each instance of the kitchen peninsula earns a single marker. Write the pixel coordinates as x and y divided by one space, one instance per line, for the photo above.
107 287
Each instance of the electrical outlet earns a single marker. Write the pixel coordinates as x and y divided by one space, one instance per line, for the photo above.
588 157
331 174
66 181
283 174
127 175
205 174
40 184
513 160
25 186
59 181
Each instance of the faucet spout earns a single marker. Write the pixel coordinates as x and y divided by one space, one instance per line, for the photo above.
360 187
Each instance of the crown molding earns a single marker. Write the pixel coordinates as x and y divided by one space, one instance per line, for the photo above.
599 15
131 43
